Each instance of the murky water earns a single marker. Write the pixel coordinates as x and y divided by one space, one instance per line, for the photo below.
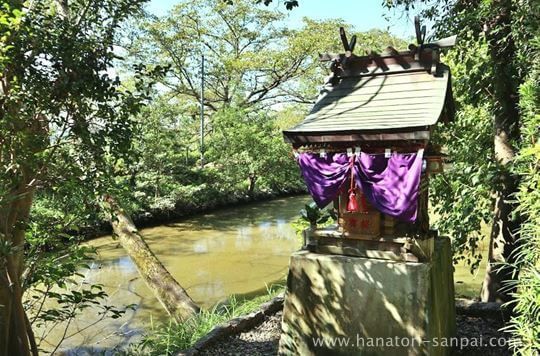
229 251
214 255
467 284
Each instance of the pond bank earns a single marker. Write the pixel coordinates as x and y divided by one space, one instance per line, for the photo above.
182 209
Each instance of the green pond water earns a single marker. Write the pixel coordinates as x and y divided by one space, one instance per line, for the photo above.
239 251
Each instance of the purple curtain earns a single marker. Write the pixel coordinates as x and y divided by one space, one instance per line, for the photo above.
390 184
324 176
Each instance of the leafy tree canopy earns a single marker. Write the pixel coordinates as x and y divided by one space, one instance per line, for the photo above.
252 59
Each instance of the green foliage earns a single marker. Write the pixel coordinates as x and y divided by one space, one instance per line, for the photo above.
248 147
525 325
10 20
462 195
243 48
317 216
258 74
61 112
289 4
251 58
246 157
313 217
55 283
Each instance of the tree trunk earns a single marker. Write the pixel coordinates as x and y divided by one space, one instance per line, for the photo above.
15 332
252 178
167 290
506 129
504 230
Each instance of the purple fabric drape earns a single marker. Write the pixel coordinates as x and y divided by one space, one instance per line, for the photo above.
390 184
324 175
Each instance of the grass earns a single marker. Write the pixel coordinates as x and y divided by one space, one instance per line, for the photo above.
165 339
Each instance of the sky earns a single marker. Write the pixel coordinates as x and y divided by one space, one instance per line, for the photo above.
363 14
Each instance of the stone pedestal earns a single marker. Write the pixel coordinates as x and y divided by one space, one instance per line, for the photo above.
343 305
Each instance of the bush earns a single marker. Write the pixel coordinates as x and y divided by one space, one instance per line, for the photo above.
525 325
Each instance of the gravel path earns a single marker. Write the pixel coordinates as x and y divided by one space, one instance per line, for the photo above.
263 340
480 330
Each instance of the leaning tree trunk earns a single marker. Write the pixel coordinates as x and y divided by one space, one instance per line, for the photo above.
505 226
167 290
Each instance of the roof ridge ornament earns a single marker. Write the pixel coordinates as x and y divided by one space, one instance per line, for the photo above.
418 57
348 46
420 31
446 42
434 47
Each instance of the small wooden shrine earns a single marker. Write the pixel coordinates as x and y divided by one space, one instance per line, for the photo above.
379 104
364 149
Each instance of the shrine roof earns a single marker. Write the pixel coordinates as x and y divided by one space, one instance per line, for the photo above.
395 94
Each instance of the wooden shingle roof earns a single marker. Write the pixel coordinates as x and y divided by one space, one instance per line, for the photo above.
378 102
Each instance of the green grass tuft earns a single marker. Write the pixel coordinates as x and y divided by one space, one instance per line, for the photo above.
165 339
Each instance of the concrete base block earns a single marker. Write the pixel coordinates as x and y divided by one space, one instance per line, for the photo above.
342 305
